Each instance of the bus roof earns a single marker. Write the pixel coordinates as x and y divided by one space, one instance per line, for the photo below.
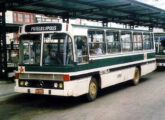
110 28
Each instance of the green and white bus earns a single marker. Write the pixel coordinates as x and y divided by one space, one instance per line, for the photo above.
160 49
72 60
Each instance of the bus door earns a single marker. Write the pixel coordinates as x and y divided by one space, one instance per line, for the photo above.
81 49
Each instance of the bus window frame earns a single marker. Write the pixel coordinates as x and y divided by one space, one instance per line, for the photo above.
104 42
135 42
152 41
72 42
87 49
131 41
149 41
20 61
119 40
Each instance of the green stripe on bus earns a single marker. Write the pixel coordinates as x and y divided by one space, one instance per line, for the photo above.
91 65
150 55
161 53
111 61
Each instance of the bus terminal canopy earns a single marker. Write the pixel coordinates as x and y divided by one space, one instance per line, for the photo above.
120 11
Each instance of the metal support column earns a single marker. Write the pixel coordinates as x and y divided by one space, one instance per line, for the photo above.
105 22
132 27
150 28
0 53
3 44
65 18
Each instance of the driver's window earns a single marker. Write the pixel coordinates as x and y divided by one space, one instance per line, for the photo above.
81 49
26 53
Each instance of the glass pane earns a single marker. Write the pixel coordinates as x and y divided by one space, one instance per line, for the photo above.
147 41
26 53
30 49
162 45
114 47
126 41
151 38
20 17
95 36
159 42
113 44
96 42
81 49
27 18
97 48
138 41
57 49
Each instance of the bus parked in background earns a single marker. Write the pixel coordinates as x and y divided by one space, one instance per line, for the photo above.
160 49
12 60
72 60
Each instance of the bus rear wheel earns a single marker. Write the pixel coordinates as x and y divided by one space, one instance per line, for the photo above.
136 76
93 89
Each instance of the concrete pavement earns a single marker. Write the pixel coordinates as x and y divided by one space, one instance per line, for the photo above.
6 88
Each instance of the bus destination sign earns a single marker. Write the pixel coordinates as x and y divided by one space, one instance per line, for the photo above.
43 27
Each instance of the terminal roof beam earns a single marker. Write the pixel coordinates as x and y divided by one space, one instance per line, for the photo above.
120 11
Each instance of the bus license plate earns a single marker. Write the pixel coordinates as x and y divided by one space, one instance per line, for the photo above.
39 91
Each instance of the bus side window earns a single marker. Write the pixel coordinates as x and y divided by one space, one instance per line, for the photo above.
81 49
147 42
152 41
137 41
113 43
96 42
126 41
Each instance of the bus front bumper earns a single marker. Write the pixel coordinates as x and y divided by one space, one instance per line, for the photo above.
71 88
160 64
44 91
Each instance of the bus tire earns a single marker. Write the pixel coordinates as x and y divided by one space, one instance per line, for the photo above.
93 90
136 76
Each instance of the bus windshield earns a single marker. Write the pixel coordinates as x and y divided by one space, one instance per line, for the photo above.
160 44
57 49
30 49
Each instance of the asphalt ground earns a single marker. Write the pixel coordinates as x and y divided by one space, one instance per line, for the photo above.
145 101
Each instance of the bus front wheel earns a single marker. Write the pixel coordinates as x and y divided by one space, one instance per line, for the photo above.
93 89
136 76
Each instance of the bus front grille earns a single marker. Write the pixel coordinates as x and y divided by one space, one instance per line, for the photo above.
47 84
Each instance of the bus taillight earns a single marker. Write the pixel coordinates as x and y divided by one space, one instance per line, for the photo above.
66 78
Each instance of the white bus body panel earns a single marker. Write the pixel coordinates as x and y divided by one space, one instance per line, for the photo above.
116 77
120 76
147 68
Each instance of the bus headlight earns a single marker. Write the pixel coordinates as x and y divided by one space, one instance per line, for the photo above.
26 83
21 83
55 85
60 85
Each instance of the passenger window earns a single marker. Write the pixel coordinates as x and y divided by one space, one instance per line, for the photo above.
137 41
147 42
126 41
81 49
152 44
96 42
113 43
